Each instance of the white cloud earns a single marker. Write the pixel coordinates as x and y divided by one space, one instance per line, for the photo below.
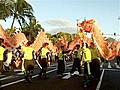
67 29
58 22
58 25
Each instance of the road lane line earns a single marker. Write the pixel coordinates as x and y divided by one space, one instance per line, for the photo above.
99 83
8 84
113 70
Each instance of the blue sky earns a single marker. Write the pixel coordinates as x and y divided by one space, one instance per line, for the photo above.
61 15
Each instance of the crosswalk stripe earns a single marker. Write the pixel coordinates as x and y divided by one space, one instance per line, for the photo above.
21 73
2 76
51 67
16 70
109 65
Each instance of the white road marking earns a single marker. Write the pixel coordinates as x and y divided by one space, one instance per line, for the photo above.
118 70
51 67
16 70
2 76
11 83
21 73
12 76
99 83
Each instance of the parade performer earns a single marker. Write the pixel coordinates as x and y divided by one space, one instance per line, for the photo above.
118 57
87 60
44 51
8 57
95 64
61 61
18 55
77 59
2 49
28 62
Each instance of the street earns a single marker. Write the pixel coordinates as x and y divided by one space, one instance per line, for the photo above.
109 80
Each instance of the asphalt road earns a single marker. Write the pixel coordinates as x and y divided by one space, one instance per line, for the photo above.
110 72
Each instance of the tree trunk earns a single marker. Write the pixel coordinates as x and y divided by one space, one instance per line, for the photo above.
20 24
13 22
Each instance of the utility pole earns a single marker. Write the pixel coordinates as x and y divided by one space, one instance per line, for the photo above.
77 24
119 23
119 26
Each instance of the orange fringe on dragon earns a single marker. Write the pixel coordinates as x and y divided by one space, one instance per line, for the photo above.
107 51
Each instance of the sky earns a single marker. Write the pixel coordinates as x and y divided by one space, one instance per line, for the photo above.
62 15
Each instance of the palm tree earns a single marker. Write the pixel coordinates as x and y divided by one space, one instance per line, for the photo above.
5 9
31 30
20 11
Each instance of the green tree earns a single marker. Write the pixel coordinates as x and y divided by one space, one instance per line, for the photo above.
31 30
5 9
20 11
64 35
11 31
54 40
49 35
110 39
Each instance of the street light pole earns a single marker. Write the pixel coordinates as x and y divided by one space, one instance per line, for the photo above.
77 25
119 26
119 22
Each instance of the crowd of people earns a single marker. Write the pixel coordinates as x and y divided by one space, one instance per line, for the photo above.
24 57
